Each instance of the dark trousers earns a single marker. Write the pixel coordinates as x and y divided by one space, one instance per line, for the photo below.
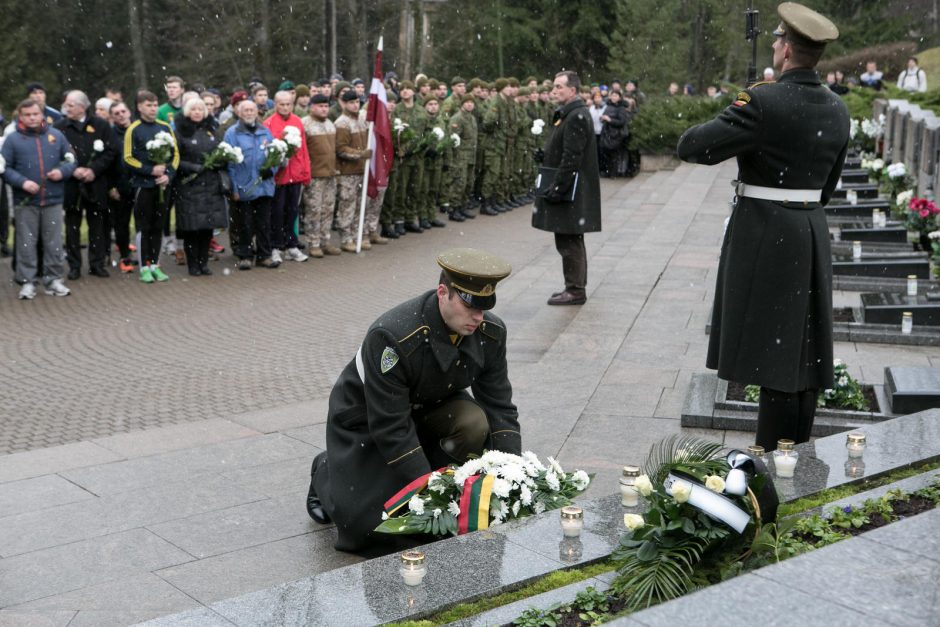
784 415
573 261
253 223
4 217
452 431
196 245
120 212
149 216
284 215
96 215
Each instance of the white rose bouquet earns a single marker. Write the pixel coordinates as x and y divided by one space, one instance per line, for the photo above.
160 151
481 493
98 146
276 155
218 158
537 126
293 140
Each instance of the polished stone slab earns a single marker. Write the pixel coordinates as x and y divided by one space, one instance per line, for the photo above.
888 308
892 444
203 617
862 231
881 265
912 389
841 208
460 569
863 190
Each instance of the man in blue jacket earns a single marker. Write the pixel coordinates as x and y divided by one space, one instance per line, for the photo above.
253 188
38 161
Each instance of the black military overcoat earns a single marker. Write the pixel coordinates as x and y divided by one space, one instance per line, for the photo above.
772 318
572 148
407 363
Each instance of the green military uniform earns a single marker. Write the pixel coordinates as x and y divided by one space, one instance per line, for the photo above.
451 104
772 317
510 163
336 109
434 157
412 162
464 125
497 120
400 408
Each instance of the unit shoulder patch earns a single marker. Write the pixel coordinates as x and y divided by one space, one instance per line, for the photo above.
742 99
389 359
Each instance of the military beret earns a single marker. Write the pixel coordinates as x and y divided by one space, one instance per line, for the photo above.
34 86
467 98
809 27
474 82
473 274
391 96
349 96
319 99
430 98
544 89
285 86
237 97
501 84
302 90
422 81
524 91
492 86
457 80
358 81
434 83
531 79
513 81
323 82
406 85
339 87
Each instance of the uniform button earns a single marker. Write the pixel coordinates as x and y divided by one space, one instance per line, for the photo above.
449 386
458 362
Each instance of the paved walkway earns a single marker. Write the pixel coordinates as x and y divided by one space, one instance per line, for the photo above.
156 440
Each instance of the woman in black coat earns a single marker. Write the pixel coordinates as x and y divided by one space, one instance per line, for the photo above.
613 135
201 204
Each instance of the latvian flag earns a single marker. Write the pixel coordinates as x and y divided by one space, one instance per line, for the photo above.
380 140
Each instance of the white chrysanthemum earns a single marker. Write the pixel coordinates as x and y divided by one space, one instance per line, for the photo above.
878 164
556 466
513 472
897 170
416 505
552 480
150 145
538 508
436 512
438 133
843 381
453 508
384 516
97 145
853 128
934 235
536 130
3 164
454 137
580 479
903 199
501 488
499 510
68 157
525 495
643 485
516 507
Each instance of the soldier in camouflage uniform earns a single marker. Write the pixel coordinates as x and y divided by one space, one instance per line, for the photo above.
462 167
496 121
320 194
453 103
412 162
352 157
508 201
476 90
336 109
434 157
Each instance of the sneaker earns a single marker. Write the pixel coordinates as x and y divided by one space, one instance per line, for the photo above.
126 266
330 249
159 274
294 254
244 264
27 292
269 262
276 256
215 247
349 247
146 276
316 251
57 288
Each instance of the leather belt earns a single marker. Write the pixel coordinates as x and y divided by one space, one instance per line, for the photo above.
745 190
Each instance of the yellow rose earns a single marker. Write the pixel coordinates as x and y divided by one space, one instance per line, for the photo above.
643 485
715 483
633 521
681 491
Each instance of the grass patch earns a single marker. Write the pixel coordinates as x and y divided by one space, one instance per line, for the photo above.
557 579
834 494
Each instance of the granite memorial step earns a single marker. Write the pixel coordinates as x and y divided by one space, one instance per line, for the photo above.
872 248
862 191
911 389
840 208
849 325
889 308
897 265
863 231
854 175
852 162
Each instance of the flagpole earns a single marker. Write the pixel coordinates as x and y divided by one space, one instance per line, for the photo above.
365 191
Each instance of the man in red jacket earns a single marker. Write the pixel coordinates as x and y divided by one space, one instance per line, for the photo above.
289 182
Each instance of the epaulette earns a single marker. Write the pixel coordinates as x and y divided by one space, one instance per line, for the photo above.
759 83
493 330
413 340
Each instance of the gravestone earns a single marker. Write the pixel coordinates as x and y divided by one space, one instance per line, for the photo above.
862 231
839 208
913 128
864 190
929 155
910 389
900 139
882 264
853 174
878 108
887 308
894 113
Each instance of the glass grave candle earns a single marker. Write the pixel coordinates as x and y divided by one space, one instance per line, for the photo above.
413 568
572 521
912 285
855 443
785 458
907 322
628 493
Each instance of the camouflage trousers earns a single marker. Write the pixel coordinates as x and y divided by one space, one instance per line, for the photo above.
373 212
349 190
319 198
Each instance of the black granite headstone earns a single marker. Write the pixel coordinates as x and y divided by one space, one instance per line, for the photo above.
883 265
911 389
839 207
864 232
854 175
862 190
888 308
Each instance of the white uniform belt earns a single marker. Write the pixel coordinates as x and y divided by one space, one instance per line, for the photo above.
776 193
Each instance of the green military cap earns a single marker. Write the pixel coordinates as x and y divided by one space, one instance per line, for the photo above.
475 82
473 274
339 86
422 81
524 91
804 25
390 95
406 85
544 89
302 90
467 98
430 98
286 86
513 81
501 84
457 80
531 79
492 86
434 83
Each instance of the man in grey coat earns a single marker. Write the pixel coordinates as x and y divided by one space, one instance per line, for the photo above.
568 195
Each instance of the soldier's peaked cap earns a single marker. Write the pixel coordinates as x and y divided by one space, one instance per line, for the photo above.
473 274
805 25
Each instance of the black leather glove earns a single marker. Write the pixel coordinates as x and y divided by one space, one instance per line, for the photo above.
538 155
267 173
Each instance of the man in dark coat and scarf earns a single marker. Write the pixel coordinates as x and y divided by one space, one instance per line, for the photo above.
772 318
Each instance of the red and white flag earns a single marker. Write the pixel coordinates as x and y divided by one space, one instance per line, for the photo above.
380 140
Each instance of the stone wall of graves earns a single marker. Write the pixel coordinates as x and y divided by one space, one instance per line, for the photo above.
912 135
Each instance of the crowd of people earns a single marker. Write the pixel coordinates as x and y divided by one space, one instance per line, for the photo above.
911 79
462 149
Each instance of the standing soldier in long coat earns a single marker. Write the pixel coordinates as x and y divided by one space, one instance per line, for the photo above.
401 408
570 206
772 319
